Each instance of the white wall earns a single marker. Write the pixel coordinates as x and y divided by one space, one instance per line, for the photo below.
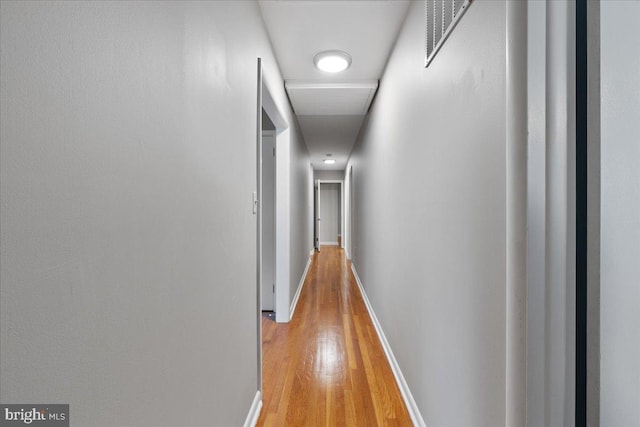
429 216
620 214
329 175
128 243
330 213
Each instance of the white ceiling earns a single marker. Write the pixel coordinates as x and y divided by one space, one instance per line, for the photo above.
331 107
330 99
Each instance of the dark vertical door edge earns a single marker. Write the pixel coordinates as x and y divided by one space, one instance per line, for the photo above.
581 214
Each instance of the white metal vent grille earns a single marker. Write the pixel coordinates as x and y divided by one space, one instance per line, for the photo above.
441 16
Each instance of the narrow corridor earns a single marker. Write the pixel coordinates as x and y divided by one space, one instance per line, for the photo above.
327 367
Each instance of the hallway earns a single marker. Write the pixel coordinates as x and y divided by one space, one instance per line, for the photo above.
327 367
160 174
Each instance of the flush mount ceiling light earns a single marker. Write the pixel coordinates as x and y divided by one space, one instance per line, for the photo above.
329 161
332 61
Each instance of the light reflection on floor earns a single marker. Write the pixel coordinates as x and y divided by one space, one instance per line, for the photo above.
330 365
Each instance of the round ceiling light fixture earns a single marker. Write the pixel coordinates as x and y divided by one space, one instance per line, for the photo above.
332 61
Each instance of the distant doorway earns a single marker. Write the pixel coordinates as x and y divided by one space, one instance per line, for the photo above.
329 214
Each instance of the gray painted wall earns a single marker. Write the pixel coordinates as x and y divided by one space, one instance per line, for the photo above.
620 214
429 216
301 219
128 243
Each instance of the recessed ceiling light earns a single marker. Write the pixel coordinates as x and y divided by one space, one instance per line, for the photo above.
329 161
332 61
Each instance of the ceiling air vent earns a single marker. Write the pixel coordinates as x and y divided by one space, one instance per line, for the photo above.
441 16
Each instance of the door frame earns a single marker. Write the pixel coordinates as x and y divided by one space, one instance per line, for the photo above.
348 206
256 211
318 221
316 213
282 199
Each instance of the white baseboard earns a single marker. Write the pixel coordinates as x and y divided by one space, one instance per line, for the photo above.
296 297
412 407
254 411
328 243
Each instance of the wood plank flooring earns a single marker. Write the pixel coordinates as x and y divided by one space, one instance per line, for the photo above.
327 367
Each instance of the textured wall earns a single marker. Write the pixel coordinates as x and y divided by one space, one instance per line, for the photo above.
128 243
301 220
429 216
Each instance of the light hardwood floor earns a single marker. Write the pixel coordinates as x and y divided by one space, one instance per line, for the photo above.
327 367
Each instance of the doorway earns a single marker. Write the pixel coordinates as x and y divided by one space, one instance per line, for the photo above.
329 214
271 207
272 234
268 217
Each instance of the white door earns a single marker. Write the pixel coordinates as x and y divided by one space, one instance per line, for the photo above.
268 221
